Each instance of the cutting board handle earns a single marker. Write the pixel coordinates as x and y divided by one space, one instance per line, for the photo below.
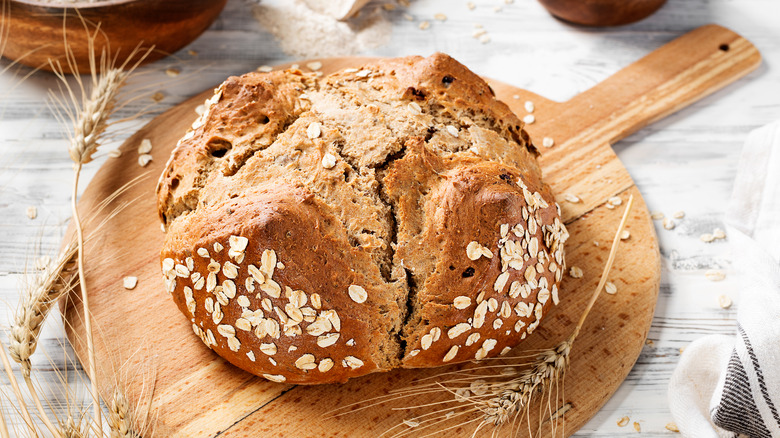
668 79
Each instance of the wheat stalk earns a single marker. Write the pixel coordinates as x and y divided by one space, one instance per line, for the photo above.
89 120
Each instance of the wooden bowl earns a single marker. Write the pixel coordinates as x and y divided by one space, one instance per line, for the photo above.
602 12
35 29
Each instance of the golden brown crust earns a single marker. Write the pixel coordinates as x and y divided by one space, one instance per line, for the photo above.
402 193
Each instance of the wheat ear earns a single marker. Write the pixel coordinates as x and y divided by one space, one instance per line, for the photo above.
40 295
45 290
551 364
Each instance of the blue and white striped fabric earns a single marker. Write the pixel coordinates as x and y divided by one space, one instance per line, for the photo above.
729 386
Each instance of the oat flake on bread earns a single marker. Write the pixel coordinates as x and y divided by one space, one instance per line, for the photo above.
305 273
304 32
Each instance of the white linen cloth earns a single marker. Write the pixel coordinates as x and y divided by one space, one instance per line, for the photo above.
729 385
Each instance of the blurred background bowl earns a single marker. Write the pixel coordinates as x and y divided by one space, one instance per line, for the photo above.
602 12
35 28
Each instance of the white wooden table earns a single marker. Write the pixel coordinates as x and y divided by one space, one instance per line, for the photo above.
686 162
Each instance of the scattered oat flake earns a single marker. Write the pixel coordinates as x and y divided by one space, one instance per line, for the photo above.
265 68
529 119
715 275
404 3
145 147
548 142
158 97
115 153
679 215
623 422
724 301
440 17
575 272
529 106
314 65
637 427
610 288
516 97
656 215
669 224
672 427
719 233
478 33
328 161
412 423
192 52
707 237
32 212
484 39
471 6
682 349
615 200
130 282
625 235
424 25
571 198
172 72
388 6
314 130
497 9
144 159
408 17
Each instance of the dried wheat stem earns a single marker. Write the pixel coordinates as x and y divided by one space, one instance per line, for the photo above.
37 401
3 426
15 386
607 268
119 416
91 372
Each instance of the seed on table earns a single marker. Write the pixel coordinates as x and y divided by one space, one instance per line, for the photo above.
548 142
668 224
715 275
679 215
130 282
724 301
610 288
32 212
623 422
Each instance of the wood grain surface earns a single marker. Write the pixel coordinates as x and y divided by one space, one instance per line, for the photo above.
198 394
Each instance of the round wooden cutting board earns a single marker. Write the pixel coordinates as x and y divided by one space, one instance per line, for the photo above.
148 348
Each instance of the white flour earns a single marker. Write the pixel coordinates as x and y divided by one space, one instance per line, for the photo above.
309 34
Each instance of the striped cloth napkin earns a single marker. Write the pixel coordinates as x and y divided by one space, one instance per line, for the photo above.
729 385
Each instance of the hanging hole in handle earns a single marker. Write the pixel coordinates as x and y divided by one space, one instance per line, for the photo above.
724 47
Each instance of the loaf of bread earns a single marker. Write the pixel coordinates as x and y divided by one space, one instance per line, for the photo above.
391 215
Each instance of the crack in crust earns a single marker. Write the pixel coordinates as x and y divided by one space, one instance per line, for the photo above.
403 163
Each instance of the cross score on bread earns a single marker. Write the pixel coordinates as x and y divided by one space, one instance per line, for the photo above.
323 228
